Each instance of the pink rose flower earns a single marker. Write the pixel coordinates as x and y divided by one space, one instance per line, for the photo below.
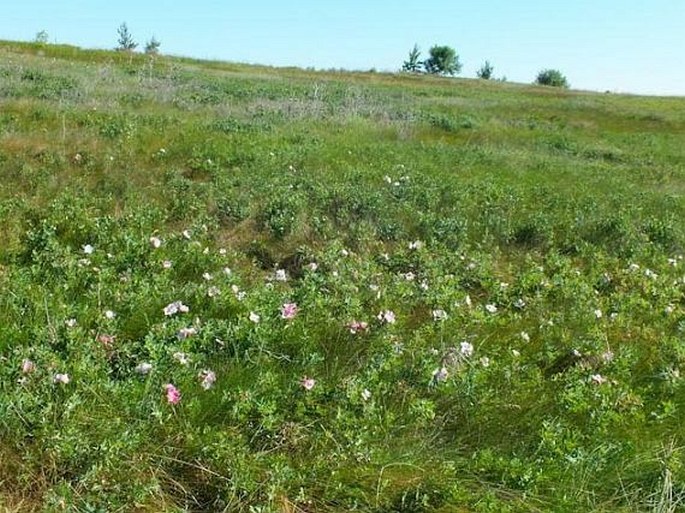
289 310
307 383
173 394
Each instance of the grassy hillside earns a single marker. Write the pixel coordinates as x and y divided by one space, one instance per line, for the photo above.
237 288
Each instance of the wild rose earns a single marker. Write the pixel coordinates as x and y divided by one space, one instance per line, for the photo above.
439 315
387 317
357 326
207 379
27 366
173 394
289 310
106 340
61 378
185 333
598 379
608 356
174 308
307 383
143 368
440 374
239 294
171 309
182 358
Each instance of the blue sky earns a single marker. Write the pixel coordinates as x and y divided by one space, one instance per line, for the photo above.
617 45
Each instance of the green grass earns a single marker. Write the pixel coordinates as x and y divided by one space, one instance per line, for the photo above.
549 229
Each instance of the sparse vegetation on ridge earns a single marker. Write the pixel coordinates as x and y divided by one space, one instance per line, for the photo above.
552 77
125 43
442 60
237 288
485 71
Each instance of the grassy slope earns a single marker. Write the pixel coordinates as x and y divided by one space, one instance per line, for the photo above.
554 193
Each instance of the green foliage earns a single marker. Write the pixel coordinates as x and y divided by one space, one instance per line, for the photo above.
47 85
552 77
280 214
413 64
485 71
442 60
125 42
488 284
449 123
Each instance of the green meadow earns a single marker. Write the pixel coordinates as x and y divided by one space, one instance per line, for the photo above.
239 288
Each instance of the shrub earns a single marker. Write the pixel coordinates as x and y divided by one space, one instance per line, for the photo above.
280 214
552 77
443 60
485 71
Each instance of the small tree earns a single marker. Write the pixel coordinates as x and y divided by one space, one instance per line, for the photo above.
41 38
412 64
485 71
126 42
443 60
552 77
152 46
